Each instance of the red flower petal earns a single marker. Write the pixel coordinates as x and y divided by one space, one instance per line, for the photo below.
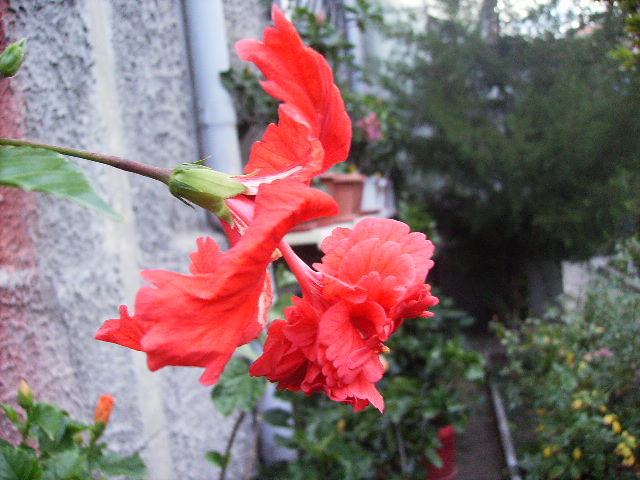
313 108
200 319
126 330
379 261
315 351
342 240
349 356
376 255
284 361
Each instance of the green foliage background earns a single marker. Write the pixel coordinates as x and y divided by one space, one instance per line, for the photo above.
574 377
523 147
55 446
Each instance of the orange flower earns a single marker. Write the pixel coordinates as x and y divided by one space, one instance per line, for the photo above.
25 394
103 409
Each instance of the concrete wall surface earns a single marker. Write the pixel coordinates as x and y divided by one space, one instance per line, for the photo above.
109 76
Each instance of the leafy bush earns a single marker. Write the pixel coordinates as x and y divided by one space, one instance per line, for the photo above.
55 446
422 393
577 373
509 134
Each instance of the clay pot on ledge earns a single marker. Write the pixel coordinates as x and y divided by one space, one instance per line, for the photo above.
346 189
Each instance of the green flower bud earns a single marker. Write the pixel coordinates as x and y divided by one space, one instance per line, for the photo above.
25 395
11 59
195 183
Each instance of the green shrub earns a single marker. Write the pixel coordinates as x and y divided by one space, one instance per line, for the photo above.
577 372
55 446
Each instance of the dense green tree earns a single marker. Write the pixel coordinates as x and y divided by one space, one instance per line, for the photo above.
524 147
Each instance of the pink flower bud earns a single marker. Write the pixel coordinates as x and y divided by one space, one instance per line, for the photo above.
371 126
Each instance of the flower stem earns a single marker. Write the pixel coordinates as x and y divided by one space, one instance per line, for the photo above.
308 278
157 173
227 452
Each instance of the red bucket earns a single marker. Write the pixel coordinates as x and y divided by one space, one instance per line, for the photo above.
447 453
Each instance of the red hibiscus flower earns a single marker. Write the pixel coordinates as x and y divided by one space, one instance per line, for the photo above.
200 319
313 131
370 279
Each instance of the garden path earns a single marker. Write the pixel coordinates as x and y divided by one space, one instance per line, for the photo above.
480 454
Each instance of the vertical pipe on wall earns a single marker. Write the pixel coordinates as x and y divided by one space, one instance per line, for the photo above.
216 117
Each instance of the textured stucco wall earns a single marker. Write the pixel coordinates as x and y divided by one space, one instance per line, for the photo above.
244 19
109 76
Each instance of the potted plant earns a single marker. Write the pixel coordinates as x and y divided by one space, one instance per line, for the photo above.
346 188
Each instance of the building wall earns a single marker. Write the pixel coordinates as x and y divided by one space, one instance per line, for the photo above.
110 76
244 19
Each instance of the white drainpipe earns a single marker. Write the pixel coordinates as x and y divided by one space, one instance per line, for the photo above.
216 117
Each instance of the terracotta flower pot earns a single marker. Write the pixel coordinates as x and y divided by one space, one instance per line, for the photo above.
447 452
346 189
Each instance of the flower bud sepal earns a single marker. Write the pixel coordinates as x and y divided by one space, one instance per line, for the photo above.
25 395
199 184
11 59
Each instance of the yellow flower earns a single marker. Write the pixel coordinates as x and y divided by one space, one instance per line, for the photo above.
623 450
609 418
577 404
629 461
541 411
577 453
342 424
603 408
547 452
541 428
616 427
582 366
599 329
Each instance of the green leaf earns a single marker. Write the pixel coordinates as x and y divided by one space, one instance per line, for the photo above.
433 457
278 417
68 464
236 389
18 465
11 413
45 171
218 458
48 418
556 471
574 471
131 467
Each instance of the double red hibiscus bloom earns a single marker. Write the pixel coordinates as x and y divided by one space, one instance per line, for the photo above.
370 279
